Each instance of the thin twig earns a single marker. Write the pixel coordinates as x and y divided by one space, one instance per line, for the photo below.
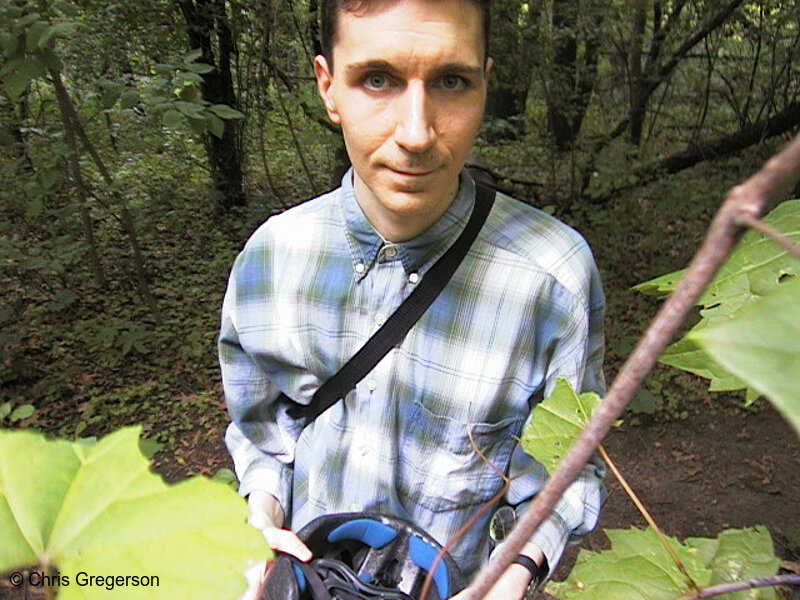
648 517
739 586
783 240
753 196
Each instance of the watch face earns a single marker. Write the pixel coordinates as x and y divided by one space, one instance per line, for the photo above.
502 523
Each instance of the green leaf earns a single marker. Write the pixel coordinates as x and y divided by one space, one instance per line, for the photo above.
8 42
227 477
149 447
754 269
740 555
556 423
34 34
193 55
215 125
111 93
636 567
223 111
26 69
23 411
98 509
761 344
5 409
687 355
755 266
58 30
129 99
199 68
49 59
188 93
190 109
172 119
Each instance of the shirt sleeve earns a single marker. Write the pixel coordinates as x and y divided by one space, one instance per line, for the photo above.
261 437
578 357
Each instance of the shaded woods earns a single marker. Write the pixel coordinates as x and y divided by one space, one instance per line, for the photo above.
142 142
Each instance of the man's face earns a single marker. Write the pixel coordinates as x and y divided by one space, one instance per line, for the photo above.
408 89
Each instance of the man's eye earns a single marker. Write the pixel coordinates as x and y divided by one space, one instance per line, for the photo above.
452 82
376 81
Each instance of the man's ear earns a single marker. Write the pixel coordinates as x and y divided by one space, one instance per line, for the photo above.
488 69
324 83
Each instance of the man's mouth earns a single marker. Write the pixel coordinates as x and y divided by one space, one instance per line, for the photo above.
413 172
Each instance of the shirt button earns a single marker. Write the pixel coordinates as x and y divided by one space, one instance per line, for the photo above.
372 385
380 319
413 277
360 268
391 251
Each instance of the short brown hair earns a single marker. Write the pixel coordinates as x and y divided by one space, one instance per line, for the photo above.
331 8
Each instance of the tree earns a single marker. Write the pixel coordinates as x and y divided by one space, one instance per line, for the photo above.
576 34
208 29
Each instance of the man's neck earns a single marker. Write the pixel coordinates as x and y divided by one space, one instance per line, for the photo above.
394 227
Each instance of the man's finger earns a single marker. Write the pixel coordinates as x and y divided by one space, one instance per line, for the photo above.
286 541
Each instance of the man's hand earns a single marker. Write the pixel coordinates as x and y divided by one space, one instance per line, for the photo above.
511 585
266 515
514 581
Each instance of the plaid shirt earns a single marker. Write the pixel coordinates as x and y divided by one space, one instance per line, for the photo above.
315 282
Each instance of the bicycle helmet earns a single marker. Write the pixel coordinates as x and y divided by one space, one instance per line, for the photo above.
363 556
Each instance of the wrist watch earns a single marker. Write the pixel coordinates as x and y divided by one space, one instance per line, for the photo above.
538 572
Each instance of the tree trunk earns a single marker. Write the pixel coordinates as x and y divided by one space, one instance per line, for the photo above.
572 74
65 108
787 120
71 120
637 107
205 19
512 47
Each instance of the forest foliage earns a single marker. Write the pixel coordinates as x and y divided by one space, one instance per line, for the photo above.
141 142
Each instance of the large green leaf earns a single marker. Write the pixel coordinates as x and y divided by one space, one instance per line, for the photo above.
99 510
557 422
740 555
753 268
637 567
756 267
762 346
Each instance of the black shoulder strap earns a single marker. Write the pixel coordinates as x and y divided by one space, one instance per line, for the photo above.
402 320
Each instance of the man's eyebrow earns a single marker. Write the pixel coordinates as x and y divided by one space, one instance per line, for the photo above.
464 69
377 64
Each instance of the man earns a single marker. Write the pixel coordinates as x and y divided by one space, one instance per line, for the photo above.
406 81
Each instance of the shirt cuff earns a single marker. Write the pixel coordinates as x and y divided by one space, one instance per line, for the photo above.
551 538
258 471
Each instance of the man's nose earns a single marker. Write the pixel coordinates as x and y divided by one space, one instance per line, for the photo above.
415 129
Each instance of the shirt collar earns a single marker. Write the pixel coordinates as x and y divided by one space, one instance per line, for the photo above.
367 246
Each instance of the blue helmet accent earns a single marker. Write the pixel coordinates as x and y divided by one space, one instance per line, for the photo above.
423 554
301 579
364 556
373 533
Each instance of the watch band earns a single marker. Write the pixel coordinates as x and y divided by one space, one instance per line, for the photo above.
538 572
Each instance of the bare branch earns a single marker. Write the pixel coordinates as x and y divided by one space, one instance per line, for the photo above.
752 197
739 586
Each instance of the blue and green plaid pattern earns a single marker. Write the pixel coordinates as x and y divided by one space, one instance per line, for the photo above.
315 282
